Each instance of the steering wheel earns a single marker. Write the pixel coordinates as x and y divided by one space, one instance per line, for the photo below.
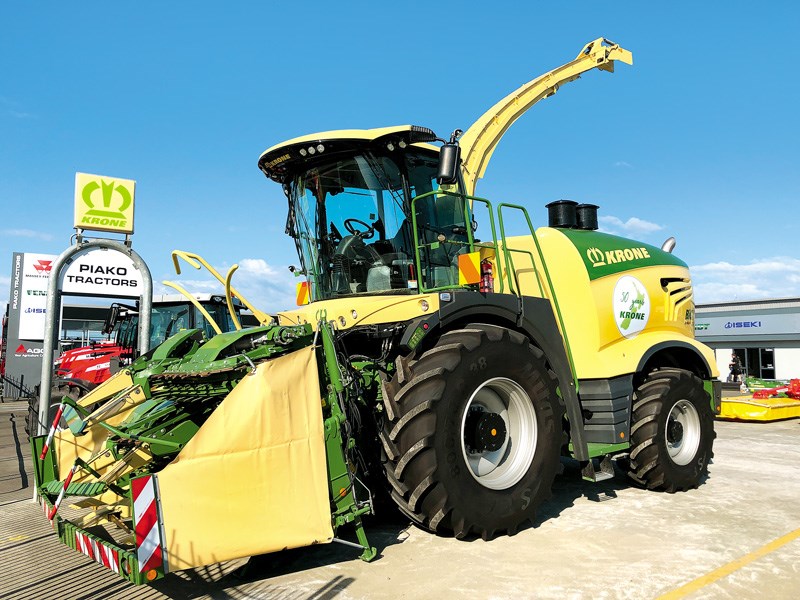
366 234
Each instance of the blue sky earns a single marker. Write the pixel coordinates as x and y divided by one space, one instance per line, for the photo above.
697 140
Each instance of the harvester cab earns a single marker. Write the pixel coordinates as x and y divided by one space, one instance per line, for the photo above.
432 359
350 212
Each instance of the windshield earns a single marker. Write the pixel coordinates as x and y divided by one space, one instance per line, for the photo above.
351 221
218 312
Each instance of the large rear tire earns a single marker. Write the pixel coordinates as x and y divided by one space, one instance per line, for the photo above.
473 433
672 432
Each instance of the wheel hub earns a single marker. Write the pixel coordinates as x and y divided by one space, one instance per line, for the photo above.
683 432
499 433
484 431
674 432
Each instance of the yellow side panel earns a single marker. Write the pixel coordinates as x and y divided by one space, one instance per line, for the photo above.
603 344
68 447
363 310
254 478
118 382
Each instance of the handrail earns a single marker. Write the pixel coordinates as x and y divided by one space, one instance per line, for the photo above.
467 200
551 288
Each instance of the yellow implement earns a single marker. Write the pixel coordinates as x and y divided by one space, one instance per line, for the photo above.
747 408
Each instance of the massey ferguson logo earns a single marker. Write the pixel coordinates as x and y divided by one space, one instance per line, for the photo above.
43 266
598 258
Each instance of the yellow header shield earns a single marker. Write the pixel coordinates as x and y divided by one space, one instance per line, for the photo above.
104 203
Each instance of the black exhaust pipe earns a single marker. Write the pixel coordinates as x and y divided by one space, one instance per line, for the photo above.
587 216
561 213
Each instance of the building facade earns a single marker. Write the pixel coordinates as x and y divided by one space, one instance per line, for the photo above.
764 334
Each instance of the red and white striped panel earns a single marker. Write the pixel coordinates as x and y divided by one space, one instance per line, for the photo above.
148 531
101 554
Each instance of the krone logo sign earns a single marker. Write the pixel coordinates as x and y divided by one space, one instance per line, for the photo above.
104 203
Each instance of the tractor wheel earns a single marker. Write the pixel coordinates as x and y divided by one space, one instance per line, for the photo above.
56 393
473 433
672 431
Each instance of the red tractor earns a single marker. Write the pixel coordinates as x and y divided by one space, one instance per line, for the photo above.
80 370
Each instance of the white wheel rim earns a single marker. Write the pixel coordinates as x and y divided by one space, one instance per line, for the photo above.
502 468
682 434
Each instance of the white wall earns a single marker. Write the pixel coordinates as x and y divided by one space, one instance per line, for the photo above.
787 363
723 356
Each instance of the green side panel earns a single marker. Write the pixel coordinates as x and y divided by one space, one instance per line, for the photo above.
604 254
595 449
126 561
44 470
714 390
92 488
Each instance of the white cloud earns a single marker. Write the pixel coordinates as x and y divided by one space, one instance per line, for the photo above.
633 226
267 287
622 163
28 233
10 108
776 277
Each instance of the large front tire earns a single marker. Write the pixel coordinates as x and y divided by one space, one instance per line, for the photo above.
672 432
473 434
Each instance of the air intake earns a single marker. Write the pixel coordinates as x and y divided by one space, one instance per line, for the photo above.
561 213
587 216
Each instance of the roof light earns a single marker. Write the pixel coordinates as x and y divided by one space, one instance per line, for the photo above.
390 146
402 143
311 150
320 148
303 152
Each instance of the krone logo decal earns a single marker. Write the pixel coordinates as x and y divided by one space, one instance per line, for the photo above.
595 256
631 306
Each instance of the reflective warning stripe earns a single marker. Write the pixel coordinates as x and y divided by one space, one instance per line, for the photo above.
469 270
63 491
302 293
148 532
103 555
52 431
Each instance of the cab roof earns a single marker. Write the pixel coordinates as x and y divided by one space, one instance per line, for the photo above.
275 160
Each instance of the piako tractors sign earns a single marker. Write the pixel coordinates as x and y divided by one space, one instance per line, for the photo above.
104 203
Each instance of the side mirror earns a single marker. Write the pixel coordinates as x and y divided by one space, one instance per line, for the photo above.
449 160
111 319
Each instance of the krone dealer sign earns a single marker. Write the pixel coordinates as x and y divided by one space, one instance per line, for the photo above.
104 203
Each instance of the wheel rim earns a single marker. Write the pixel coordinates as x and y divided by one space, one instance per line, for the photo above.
500 468
683 432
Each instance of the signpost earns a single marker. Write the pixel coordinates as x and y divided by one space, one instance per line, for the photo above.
96 267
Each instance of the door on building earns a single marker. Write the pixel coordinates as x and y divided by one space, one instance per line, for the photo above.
767 357
758 362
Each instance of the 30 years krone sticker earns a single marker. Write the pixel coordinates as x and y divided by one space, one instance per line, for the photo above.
631 306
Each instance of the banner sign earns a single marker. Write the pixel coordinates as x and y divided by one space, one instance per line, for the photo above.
746 325
104 203
102 272
29 292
